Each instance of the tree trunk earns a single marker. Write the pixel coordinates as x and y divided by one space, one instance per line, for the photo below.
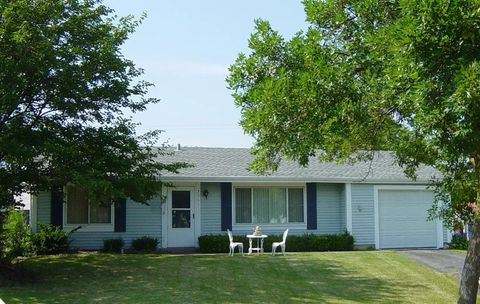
471 268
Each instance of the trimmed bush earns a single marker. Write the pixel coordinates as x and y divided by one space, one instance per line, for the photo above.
295 243
459 242
145 244
113 245
218 243
52 240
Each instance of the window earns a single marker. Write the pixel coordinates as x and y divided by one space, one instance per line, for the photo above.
80 211
181 209
272 205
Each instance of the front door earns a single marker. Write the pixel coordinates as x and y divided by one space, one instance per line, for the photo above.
181 217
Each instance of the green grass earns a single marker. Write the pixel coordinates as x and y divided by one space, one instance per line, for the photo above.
333 277
462 251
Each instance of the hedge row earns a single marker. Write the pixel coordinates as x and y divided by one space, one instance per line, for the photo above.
295 243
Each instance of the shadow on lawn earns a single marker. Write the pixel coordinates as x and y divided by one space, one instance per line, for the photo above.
303 280
214 278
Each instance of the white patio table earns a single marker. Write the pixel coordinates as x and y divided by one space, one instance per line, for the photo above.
259 239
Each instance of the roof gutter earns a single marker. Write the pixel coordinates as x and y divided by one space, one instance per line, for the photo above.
279 179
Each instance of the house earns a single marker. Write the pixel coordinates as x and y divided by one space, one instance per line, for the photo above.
374 201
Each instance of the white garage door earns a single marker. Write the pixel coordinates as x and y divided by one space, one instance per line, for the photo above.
403 219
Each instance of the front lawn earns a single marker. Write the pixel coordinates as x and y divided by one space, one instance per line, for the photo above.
460 251
333 277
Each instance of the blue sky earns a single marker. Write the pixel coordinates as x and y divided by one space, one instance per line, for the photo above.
185 48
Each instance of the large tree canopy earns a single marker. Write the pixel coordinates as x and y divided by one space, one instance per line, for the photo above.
64 85
366 75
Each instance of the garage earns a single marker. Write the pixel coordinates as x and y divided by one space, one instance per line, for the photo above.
402 219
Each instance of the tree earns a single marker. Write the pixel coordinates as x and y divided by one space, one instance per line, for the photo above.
368 75
64 85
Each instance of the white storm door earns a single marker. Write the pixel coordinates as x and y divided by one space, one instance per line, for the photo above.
181 218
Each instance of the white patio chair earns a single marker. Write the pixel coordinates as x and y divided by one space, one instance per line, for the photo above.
233 244
281 244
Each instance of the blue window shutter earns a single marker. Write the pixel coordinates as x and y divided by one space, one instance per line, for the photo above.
226 205
121 215
56 209
311 206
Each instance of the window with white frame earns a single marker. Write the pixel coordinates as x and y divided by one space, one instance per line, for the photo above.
269 205
81 211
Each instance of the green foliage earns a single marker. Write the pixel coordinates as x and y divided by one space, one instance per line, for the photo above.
370 75
145 244
113 245
373 75
336 277
218 243
295 243
15 237
52 239
65 86
337 242
458 242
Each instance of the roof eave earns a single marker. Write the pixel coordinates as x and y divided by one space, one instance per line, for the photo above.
207 179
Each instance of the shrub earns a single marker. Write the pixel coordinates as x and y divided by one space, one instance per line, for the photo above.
113 245
52 239
218 243
459 242
295 243
15 236
145 244
333 242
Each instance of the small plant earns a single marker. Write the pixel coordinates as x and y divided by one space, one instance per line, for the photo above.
113 245
52 240
145 244
15 237
459 242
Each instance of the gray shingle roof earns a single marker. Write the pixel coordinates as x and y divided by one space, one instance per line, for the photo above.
230 164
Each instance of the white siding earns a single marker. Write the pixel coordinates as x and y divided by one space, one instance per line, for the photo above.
330 209
44 207
146 220
142 220
363 215
343 208
211 221
445 234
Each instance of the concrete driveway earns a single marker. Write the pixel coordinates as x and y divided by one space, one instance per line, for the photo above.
439 260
